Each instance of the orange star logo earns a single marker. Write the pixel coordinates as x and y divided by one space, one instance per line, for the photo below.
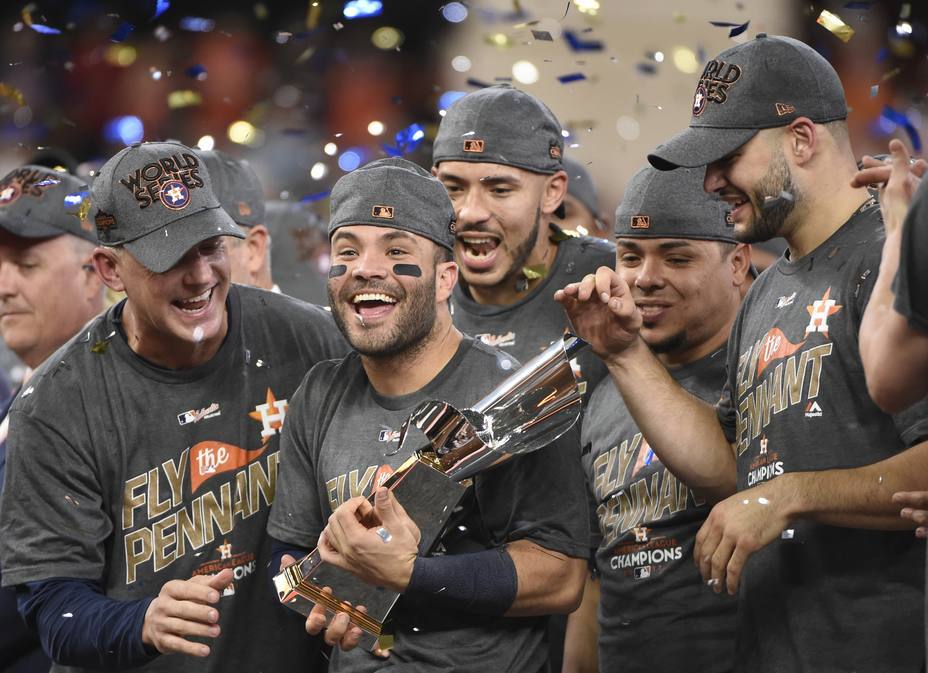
271 415
819 311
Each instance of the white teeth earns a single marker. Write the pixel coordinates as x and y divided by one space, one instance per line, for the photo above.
193 300
373 296
478 241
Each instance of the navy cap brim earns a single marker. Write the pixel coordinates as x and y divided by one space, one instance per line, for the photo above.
161 249
698 146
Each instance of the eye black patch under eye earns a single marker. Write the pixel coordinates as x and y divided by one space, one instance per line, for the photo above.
337 270
407 270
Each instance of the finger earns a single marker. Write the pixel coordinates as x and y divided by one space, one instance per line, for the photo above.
336 629
920 167
587 287
900 156
185 627
707 541
916 499
351 638
196 589
170 644
221 580
735 568
317 619
383 654
286 560
919 516
876 175
191 612
921 532
719 565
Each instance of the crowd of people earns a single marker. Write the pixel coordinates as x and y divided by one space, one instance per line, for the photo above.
745 489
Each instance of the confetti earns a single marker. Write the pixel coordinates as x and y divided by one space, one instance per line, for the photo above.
100 347
78 204
571 77
196 72
406 141
477 83
736 28
196 24
542 35
500 40
874 90
161 6
835 25
902 120
183 98
318 196
359 9
646 68
577 44
906 10
37 27
162 34
12 93
122 32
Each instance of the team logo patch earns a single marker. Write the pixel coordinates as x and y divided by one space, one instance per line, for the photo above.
473 145
700 100
555 152
383 212
244 209
785 109
819 311
9 194
641 222
104 222
174 195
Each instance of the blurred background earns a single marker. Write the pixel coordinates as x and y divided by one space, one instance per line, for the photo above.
308 91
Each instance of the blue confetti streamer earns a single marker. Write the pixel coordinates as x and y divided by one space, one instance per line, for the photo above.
900 119
121 33
318 196
406 140
577 44
161 6
195 71
736 28
196 24
45 30
572 77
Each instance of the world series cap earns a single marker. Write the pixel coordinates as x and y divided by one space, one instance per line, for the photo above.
156 200
767 82
660 204
38 202
397 194
501 125
237 187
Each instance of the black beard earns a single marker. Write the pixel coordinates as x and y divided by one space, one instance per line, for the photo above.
524 249
671 344
770 221
413 324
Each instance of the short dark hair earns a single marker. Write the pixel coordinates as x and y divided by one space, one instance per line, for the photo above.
443 254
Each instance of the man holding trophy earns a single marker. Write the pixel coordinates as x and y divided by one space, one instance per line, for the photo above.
513 552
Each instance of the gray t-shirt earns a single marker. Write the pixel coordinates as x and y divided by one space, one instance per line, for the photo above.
820 598
333 448
526 328
911 283
126 473
655 614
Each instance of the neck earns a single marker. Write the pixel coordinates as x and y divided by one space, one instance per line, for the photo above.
417 366
505 293
825 209
166 350
262 279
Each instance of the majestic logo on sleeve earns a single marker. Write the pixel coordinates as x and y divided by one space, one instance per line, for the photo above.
167 180
498 340
715 85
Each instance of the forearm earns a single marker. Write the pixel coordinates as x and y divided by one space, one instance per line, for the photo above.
582 637
549 582
682 430
891 350
79 626
860 497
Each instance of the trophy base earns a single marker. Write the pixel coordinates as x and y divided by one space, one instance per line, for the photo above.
428 496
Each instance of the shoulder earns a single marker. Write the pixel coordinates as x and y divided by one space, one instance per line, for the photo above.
328 376
284 306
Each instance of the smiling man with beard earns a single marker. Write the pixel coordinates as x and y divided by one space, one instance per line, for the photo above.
515 554
142 455
802 460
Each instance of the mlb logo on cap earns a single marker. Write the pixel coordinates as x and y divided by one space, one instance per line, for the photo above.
641 222
383 212
473 146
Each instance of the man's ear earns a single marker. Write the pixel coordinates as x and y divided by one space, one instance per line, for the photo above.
106 262
446 277
256 243
802 140
740 260
555 191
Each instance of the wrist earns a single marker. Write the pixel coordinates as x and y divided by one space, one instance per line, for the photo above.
403 575
621 360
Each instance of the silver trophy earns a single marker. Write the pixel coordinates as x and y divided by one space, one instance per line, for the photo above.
526 412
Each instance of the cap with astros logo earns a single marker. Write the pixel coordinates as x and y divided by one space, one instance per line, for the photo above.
501 125
394 193
38 202
237 187
766 82
156 200
659 204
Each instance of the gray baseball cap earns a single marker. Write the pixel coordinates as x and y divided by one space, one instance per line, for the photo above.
237 187
501 125
580 186
659 204
397 194
764 83
157 201
39 202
